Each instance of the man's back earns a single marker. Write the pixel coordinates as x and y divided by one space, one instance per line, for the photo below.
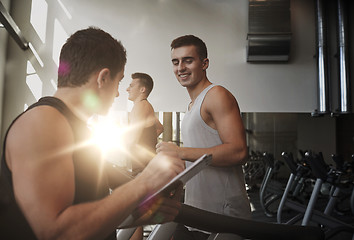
142 121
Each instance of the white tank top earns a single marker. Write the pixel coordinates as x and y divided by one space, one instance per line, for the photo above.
216 189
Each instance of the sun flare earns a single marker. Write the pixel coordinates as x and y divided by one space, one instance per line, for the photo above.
108 135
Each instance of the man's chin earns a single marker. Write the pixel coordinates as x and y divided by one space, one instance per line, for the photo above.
184 83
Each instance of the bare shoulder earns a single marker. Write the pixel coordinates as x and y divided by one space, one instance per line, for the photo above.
42 117
142 109
220 98
42 129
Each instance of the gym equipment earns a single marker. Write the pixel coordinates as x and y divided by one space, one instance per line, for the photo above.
217 223
271 190
309 214
249 229
254 170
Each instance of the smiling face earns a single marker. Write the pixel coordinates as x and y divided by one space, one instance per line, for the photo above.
188 68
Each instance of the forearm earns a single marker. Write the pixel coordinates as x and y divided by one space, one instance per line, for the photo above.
223 155
95 220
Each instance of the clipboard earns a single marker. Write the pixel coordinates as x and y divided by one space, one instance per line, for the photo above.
181 178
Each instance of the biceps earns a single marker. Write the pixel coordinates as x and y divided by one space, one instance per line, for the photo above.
45 188
230 128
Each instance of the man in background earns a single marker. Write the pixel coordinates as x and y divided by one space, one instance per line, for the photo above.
144 125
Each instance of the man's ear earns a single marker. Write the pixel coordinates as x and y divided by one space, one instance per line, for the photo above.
103 76
205 63
142 89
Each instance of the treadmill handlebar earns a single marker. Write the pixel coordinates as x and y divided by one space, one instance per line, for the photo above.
255 230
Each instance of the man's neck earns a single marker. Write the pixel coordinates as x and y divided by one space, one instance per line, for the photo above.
73 99
140 98
195 90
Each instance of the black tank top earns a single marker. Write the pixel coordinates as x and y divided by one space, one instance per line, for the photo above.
90 183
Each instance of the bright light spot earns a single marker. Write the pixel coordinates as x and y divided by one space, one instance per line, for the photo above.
165 164
107 134
60 37
252 207
39 17
65 9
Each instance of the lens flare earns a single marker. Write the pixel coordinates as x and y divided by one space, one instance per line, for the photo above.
91 100
108 135
64 68
118 142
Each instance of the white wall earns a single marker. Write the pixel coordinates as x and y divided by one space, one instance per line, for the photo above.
146 28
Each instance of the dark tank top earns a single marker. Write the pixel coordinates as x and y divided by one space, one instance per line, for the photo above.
90 183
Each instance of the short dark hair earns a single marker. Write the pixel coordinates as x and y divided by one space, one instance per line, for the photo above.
145 81
87 51
191 40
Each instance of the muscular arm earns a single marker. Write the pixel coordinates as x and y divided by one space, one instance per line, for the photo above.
39 153
221 112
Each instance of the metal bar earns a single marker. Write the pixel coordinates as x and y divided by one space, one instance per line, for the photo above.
343 58
312 202
284 198
125 234
12 28
162 231
322 65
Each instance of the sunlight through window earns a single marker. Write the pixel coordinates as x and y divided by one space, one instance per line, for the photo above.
60 37
54 84
36 55
30 68
33 81
35 85
38 19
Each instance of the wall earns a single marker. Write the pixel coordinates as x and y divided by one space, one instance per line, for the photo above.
3 42
293 132
146 28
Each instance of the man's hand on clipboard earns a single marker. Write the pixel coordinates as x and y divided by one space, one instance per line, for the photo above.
163 204
162 208
161 169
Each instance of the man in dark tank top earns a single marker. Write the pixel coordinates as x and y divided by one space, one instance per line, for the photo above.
53 184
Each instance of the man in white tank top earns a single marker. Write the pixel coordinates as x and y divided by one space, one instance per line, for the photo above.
213 125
